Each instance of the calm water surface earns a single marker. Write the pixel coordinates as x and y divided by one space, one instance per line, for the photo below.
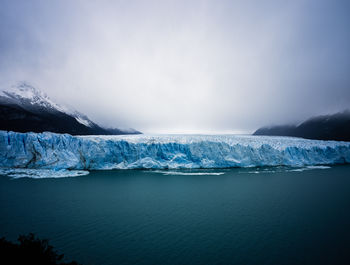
243 216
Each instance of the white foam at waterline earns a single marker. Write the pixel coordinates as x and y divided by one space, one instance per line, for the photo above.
318 167
259 171
41 173
188 173
309 168
283 169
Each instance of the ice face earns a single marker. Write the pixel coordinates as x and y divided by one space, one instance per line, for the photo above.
63 151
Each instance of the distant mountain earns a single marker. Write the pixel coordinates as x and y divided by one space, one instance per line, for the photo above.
24 108
326 127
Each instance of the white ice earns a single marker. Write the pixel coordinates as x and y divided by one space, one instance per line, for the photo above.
63 151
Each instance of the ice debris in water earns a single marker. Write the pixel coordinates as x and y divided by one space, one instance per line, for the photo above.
41 173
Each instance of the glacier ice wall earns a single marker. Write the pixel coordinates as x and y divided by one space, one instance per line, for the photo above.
63 151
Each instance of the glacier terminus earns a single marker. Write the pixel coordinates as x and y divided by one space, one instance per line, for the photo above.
63 151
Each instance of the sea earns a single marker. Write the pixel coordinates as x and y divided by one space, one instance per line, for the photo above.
263 215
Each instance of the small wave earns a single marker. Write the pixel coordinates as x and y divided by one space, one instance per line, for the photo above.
282 169
318 167
309 168
188 173
41 173
259 171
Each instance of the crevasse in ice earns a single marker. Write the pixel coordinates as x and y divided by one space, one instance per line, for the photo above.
63 151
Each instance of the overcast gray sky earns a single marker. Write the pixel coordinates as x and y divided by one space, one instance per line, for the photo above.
182 66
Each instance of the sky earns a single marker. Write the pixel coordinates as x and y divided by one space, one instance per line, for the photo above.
182 66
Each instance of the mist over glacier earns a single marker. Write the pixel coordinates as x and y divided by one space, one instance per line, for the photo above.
180 66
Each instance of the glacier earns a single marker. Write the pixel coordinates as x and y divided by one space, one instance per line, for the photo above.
65 152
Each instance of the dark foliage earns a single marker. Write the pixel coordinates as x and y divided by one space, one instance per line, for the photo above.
30 250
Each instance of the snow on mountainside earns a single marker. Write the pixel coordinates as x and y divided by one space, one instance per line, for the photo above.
27 95
24 91
24 108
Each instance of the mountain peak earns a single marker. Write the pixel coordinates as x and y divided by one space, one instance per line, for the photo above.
26 108
26 90
29 95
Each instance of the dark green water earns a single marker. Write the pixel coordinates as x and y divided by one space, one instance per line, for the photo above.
145 217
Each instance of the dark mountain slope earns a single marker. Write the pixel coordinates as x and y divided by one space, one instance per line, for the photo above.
25 109
326 127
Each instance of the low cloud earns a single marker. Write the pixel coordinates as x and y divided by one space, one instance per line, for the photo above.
179 66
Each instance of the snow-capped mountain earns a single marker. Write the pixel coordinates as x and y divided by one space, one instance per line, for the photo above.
26 94
24 108
29 97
